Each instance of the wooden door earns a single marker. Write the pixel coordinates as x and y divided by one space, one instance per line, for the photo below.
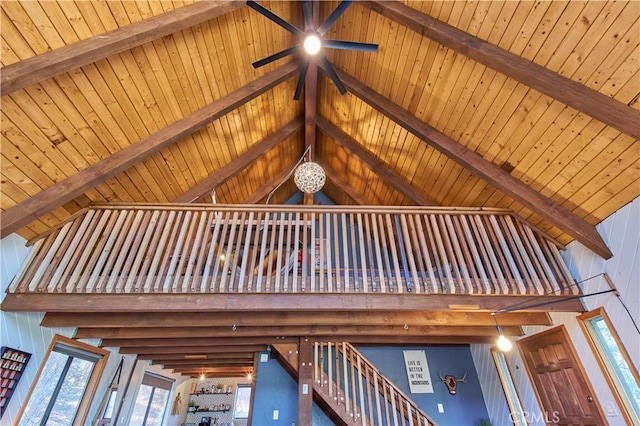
564 392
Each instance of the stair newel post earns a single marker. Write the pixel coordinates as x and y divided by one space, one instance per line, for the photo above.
305 381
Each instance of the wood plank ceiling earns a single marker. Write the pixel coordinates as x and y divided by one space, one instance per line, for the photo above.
532 106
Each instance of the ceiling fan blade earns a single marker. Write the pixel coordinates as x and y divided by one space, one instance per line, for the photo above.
350 45
337 12
275 56
332 74
301 79
307 10
275 18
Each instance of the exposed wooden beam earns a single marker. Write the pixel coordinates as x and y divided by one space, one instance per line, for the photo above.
593 103
54 196
170 348
199 355
41 67
385 172
285 318
247 302
236 165
323 330
195 364
341 183
198 341
553 212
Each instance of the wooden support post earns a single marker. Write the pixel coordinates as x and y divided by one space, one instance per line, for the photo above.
305 381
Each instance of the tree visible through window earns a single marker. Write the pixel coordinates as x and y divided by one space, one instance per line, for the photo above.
151 401
616 364
65 384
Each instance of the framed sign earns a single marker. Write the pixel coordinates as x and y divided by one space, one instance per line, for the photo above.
418 372
12 365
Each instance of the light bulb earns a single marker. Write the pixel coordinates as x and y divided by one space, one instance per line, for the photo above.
504 344
202 376
312 44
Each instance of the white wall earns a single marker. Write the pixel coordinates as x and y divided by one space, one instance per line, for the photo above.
621 232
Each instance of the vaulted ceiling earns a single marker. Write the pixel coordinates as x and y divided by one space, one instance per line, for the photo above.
532 106
526 105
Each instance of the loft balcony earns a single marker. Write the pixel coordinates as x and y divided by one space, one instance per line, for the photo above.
210 254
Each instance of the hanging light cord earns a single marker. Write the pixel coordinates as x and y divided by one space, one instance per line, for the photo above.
519 306
288 175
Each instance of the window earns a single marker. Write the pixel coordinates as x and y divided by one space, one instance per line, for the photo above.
614 361
65 384
151 401
517 415
242 402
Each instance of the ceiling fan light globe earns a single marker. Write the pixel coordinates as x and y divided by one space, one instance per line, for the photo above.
309 177
312 44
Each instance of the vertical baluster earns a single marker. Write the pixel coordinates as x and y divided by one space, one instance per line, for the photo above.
330 370
328 262
29 266
49 254
201 257
77 240
469 260
245 252
573 289
211 254
518 256
432 229
336 252
192 258
508 256
129 272
290 257
336 363
451 255
234 274
316 363
262 252
227 272
376 393
354 252
305 252
526 253
550 278
272 251
374 277
112 267
363 254
368 375
181 249
363 415
220 256
394 254
89 257
388 276
346 253
280 251
345 369
459 255
473 244
409 252
499 252
312 245
394 409
425 254
354 401
378 246
297 263
416 251
486 245
320 252
387 401
255 229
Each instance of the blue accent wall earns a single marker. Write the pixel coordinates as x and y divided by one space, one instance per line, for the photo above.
467 407
276 390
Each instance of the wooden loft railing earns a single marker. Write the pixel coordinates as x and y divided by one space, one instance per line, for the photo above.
197 248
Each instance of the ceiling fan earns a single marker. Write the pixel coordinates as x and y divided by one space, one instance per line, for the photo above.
311 42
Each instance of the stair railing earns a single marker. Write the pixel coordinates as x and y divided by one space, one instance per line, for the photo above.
367 396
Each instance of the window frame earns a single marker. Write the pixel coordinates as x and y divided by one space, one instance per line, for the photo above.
507 375
235 401
102 356
154 381
597 349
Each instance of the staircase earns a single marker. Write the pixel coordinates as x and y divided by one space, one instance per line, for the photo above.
351 389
